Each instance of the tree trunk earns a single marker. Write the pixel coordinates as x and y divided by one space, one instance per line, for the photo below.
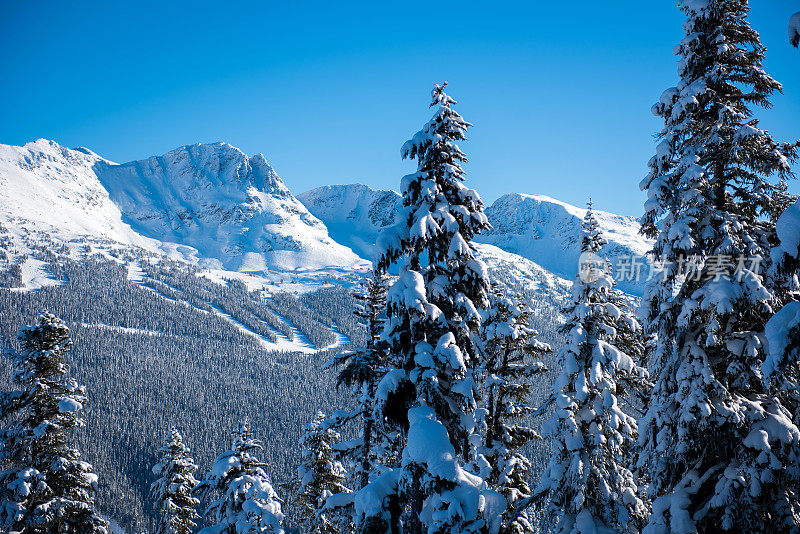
719 186
365 458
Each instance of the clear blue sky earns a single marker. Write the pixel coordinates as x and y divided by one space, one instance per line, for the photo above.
559 92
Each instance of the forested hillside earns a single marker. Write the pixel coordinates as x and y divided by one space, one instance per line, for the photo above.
158 343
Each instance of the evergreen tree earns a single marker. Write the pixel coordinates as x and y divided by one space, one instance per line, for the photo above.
46 486
794 30
433 314
717 443
361 371
241 495
511 356
172 492
783 329
376 450
588 479
319 477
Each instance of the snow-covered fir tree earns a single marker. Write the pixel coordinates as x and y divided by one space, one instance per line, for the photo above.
588 479
434 316
242 500
794 30
319 476
172 492
46 487
718 445
361 370
783 328
511 357
781 366
377 449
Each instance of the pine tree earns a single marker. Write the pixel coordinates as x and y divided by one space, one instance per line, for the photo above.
783 329
588 479
717 444
511 356
362 370
46 487
433 318
172 492
794 30
319 477
241 495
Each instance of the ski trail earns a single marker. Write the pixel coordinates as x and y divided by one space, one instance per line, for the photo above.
300 343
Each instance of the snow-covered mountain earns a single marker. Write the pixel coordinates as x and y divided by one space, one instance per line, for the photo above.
354 214
213 204
44 186
210 203
547 231
233 209
540 229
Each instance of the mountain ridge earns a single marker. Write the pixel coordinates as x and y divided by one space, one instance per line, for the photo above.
206 203
541 229
213 205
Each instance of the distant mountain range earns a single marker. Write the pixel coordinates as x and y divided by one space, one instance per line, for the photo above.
213 205
540 229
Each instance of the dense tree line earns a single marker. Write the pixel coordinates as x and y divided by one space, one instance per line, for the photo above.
688 422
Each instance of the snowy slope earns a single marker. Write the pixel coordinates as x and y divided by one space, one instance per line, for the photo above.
233 209
214 204
354 214
46 187
540 229
547 231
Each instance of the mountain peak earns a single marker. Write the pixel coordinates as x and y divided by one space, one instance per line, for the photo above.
537 227
234 209
227 209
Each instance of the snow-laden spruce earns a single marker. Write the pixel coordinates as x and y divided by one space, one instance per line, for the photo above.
319 476
241 497
794 30
172 492
588 479
45 487
782 331
327 462
511 354
434 316
361 370
376 450
720 448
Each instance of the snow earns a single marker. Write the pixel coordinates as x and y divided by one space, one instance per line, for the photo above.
369 500
794 29
535 231
428 444
300 343
123 329
115 528
234 210
135 272
546 231
389 383
205 204
69 404
777 333
35 275
354 214
56 190
788 228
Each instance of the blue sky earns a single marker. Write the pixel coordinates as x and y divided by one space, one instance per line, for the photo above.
559 92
